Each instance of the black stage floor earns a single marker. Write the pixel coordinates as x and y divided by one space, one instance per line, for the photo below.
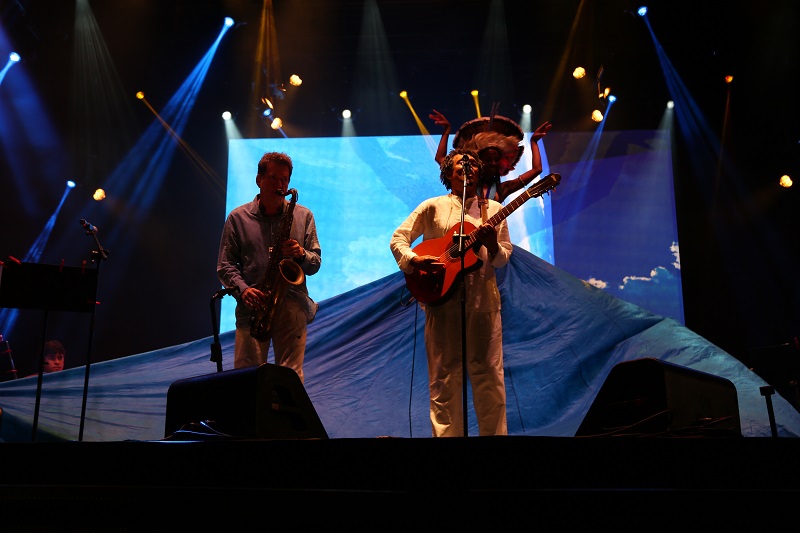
395 484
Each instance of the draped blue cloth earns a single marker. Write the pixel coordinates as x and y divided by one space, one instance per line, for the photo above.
366 371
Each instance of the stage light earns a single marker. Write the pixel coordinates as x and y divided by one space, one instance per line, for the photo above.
276 124
140 95
526 108
99 194
267 112
14 57
597 116
228 22
226 115
612 99
295 80
786 181
346 113
71 184
579 73
474 94
728 79
642 11
670 104
404 94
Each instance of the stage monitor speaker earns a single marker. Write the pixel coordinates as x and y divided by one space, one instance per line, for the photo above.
263 402
650 397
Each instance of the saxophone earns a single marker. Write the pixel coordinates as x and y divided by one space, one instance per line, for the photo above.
280 274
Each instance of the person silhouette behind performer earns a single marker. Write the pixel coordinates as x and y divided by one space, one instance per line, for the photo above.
433 219
246 247
496 139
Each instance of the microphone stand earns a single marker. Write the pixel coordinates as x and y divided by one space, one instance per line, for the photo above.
463 290
216 347
102 254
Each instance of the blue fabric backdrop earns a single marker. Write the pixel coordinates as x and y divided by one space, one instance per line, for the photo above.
366 370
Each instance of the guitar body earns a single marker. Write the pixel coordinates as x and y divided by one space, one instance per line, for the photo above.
435 288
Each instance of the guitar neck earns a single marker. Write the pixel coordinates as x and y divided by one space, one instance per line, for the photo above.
547 183
510 208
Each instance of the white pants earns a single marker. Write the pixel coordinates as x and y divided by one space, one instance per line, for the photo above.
484 366
288 340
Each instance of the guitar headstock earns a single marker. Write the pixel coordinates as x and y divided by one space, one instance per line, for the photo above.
547 183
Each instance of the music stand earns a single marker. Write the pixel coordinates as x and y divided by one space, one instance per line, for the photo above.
50 288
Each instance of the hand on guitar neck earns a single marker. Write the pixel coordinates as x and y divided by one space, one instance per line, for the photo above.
486 234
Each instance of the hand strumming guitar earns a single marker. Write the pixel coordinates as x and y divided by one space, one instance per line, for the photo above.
427 263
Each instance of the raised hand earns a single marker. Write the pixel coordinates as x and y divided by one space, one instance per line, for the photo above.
440 120
541 131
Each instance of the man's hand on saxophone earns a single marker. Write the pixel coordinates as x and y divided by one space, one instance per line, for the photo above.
292 248
254 298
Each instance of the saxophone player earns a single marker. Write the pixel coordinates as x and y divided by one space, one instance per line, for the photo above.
258 236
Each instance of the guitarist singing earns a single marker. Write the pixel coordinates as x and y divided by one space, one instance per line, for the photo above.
435 266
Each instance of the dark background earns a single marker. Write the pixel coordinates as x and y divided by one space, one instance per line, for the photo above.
737 228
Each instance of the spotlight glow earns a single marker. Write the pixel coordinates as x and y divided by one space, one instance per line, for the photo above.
404 94
295 80
526 108
597 116
99 194
346 113
70 184
226 115
140 95
276 124
642 11
228 22
612 99
14 57
786 181
670 104
579 73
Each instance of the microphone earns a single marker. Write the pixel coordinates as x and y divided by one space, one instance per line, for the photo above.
88 226
467 166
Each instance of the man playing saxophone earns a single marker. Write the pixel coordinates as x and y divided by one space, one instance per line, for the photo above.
267 248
